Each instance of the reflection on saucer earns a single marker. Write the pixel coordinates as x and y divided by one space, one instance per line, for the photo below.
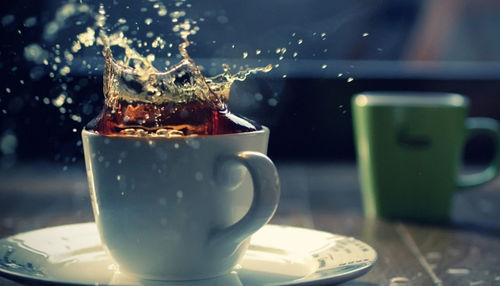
278 255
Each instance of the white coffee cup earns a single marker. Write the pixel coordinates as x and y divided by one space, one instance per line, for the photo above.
180 208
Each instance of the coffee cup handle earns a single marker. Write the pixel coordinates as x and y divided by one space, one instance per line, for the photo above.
266 192
491 128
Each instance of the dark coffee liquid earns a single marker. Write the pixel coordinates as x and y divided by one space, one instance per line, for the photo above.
167 119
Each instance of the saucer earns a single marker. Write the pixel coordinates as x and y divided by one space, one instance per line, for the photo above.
278 255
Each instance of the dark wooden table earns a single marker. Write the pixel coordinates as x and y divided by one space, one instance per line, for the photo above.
320 196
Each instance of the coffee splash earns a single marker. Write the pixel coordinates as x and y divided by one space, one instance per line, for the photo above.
136 79
140 100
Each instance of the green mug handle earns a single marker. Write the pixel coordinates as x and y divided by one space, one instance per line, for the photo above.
484 126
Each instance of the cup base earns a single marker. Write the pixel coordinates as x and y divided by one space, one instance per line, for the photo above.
230 279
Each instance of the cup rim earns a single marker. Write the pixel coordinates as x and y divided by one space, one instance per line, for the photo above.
263 130
409 98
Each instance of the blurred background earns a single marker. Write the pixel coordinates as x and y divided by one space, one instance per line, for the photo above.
323 53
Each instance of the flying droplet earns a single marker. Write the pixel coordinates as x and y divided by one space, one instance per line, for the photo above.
162 12
64 70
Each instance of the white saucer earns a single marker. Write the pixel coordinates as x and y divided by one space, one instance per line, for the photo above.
278 255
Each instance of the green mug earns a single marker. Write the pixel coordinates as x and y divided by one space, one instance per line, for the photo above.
409 147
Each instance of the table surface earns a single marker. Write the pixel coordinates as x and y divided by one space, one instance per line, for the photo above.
465 251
